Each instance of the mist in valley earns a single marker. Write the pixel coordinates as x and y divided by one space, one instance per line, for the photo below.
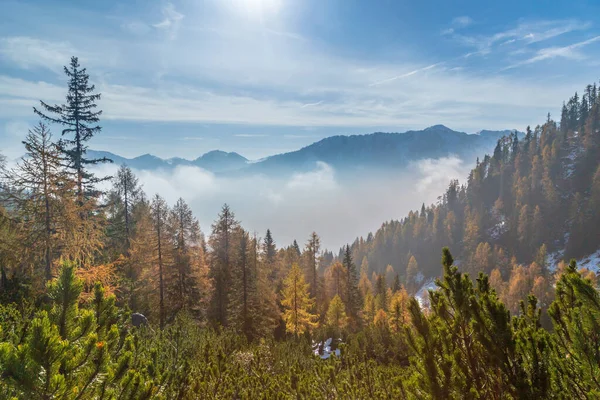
336 206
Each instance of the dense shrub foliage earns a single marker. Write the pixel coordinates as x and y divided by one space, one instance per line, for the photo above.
466 345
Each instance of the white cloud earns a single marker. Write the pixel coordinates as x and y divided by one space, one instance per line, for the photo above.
171 21
312 201
526 32
322 177
436 173
405 75
250 135
569 52
462 22
447 96
14 132
192 138
27 52
257 79
312 104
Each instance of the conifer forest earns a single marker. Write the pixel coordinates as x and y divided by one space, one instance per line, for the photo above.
110 292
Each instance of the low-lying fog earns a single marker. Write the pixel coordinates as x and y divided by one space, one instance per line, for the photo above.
318 200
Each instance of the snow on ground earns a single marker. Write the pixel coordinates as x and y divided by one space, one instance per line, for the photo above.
498 230
323 349
591 262
422 295
500 227
570 160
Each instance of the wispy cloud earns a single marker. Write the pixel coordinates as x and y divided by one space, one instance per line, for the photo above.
526 32
287 136
458 23
171 21
29 52
461 22
191 138
253 78
405 75
250 135
569 52
312 104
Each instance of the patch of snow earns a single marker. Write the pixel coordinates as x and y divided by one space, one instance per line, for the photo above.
553 259
419 278
323 349
422 295
500 227
590 262
570 160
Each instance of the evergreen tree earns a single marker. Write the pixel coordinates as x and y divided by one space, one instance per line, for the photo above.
312 252
189 286
123 197
220 242
243 296
296 248
269 249
353 296
268 314
72 353
396 285
381 294
79 118
576 317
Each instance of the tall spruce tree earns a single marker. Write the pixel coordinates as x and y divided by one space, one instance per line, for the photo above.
123 197
242 294
188 288
269 248
312 254
353 297
220 243
80 117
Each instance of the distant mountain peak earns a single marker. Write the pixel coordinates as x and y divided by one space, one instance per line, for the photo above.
220 154
345 153
214 161
439 127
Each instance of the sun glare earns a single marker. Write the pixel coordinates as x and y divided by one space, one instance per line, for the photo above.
257 8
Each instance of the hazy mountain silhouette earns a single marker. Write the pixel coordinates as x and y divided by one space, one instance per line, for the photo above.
384 151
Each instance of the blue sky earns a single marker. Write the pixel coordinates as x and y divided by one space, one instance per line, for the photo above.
260 77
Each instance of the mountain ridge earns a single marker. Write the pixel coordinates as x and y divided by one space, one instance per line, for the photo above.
384 150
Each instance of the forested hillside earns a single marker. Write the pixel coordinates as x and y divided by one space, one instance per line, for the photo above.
119 295
531 198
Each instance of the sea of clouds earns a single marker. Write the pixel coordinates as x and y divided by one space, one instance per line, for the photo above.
318 200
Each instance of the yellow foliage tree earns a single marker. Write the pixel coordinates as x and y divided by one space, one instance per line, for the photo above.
297 303
398 310
336 314
380 319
